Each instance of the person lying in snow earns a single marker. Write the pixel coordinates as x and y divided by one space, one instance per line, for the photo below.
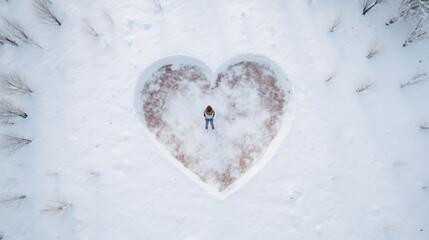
209 114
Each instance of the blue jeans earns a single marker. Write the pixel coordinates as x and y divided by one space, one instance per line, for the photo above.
211 123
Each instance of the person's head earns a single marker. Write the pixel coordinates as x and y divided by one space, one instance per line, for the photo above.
209 109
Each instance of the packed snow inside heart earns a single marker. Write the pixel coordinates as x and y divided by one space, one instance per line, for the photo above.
249 105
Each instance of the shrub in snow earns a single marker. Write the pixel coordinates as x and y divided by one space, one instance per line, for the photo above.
5 38
44 11
419 33
369 4
9 144
416 11
364 87
157 4
89 29
58 207
375 49
336 23
14 83
418 78
412 10
8 111
15 30
13 200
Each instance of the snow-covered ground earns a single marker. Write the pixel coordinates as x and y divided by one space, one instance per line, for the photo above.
345 165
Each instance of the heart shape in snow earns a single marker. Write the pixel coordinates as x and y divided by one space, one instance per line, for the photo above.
250 95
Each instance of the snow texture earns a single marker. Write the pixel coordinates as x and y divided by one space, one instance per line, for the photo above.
349 166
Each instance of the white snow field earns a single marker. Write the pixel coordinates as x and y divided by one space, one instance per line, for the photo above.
320 141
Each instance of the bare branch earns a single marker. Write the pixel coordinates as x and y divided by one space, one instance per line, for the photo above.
44 11
336 23
57 207
158 4
9 111
10 144
369 4
419 33
413 10
332 76
13 200
15 29
375 49
5 38
329 79
418 78
392 21
13 83
364 87
89 29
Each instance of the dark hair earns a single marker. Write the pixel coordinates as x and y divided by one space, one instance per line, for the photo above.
209 109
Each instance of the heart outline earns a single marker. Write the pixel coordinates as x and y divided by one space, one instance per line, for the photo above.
270 150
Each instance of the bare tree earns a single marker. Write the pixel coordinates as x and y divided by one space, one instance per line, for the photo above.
419 33
411 10
13 200
416 12
14 83
9 144
15 29
57 207
44 11
336 23
158 4
5 38
418 78
89 29
364 87
375 49
369 4
8 111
